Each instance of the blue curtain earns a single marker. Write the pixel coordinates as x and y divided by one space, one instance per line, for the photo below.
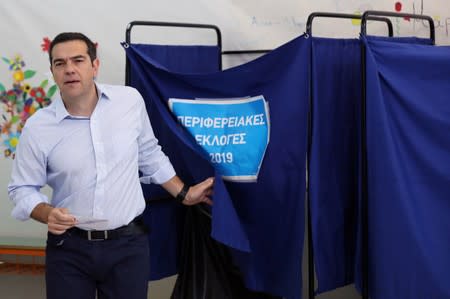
264 221
408 125
334 162
400 39
166 217
184 59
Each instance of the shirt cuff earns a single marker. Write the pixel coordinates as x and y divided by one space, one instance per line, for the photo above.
22 210
164 173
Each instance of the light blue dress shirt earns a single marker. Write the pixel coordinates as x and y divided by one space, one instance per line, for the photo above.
90 163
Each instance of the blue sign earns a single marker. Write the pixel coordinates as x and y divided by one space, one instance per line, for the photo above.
234 132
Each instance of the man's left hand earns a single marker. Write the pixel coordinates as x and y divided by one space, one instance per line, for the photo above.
200 193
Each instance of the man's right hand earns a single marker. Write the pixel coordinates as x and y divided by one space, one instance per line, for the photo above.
58 220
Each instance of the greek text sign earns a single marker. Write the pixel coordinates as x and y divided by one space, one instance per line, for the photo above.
234 132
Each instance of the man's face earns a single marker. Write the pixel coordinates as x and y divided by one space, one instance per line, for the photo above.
73 70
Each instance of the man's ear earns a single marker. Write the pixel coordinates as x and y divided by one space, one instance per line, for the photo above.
96 65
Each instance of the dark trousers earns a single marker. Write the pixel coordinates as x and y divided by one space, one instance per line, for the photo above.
78 268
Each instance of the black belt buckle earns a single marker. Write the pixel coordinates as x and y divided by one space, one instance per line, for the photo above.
97 235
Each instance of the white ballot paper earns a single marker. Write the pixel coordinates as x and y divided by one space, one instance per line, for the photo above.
89 220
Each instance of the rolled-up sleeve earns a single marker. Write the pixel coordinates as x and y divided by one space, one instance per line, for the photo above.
27 177
153 163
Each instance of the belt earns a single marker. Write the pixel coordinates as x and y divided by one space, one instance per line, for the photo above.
135 227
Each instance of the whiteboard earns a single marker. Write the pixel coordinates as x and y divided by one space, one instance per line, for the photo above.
245 25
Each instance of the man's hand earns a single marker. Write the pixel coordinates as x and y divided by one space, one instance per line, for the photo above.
200 193
59 220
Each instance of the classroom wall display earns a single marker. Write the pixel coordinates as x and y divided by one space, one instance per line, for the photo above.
26 83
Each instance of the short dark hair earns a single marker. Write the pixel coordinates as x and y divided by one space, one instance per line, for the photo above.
70 36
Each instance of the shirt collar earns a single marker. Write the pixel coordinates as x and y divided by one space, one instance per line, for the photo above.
61 111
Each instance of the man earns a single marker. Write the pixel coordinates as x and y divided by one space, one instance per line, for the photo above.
88 145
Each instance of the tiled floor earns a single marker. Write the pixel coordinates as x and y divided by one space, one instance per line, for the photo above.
22 286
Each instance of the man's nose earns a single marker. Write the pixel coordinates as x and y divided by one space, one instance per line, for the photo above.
69 68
